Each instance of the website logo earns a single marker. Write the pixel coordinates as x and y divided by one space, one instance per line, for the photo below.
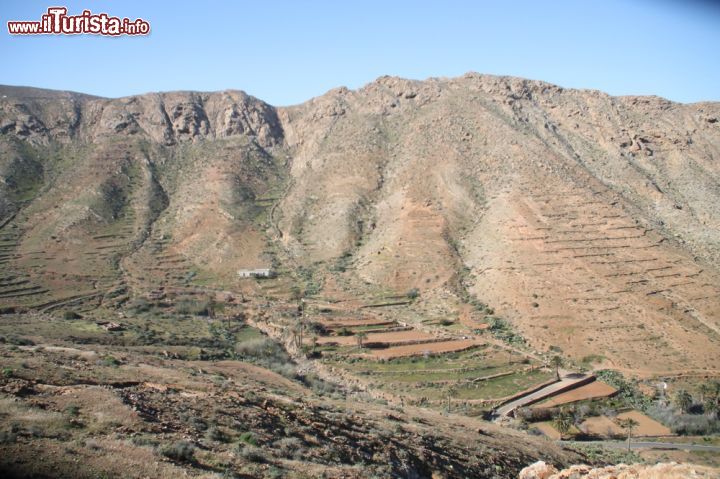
57 22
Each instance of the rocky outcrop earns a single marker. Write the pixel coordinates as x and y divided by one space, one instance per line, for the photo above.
165 118
541 470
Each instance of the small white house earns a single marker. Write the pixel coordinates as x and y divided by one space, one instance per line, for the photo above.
255 273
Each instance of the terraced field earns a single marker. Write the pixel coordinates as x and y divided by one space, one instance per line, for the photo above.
606 269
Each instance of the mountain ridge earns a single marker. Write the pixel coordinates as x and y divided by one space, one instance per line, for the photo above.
451 186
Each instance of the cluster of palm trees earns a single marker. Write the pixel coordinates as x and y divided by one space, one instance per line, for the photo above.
709 398
565 420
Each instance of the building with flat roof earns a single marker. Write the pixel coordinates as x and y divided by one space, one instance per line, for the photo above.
255 273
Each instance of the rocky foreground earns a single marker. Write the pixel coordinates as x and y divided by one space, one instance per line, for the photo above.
672 470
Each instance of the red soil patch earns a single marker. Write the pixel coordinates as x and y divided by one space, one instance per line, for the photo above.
390 337
337 323
647 426
420 349
595 389
604 426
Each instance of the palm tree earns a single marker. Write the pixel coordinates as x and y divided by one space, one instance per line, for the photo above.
628 424
360 337
683 400
705 389
563 422
557 361
712 406
711 398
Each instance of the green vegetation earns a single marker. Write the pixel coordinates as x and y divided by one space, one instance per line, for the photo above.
248 438
110 361
501 329
563 422
628 425
196 307
183 451
71 315
628 393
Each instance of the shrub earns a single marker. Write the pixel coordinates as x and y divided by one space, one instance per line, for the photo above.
19 341
110 361
7 372
215 434
179 451
140 305
685 424
628 393
144 441
252 454
318 385
413 293
535 414
194 308
72 410
71 315
288 446
267 353
248 438
7 437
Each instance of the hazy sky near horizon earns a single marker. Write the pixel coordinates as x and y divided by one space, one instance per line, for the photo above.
286 52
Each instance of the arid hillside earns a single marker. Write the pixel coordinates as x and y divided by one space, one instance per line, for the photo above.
589 222
437 252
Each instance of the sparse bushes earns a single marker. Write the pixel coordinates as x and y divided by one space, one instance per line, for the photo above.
296 293
252 454
535 414
144 441
195 308
628 392
70 315
110 361
248 438
17 341
289 447
266 353
179 451
7 437
318 385
413 293
502 330
216 434
685 424
140 305
72 411
7 372
344 332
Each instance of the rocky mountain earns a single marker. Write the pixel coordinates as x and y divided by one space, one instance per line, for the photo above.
590 222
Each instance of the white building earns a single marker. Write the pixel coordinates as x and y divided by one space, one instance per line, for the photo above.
255 273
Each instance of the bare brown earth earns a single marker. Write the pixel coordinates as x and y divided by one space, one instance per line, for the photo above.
596 389
426 348
604 426
394 337
113 405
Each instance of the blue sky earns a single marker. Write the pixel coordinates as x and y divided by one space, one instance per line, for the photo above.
286 52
